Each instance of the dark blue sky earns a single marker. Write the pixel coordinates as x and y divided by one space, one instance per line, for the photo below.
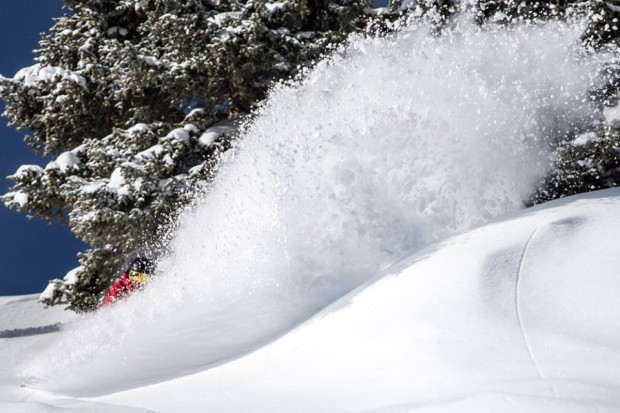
31 252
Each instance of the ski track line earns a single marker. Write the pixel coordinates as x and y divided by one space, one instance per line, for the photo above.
518 309
513 403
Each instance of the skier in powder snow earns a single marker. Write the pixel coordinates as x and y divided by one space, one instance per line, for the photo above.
134 278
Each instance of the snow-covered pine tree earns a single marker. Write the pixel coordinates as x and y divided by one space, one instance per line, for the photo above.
483 11
136 100
591 160
588 158
511 11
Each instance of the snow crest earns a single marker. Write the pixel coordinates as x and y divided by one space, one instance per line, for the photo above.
383 149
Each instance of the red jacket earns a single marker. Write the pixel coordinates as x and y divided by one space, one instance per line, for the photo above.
120 289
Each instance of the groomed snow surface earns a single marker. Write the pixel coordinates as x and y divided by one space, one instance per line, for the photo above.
518 315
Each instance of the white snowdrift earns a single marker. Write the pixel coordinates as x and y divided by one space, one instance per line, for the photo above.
517 315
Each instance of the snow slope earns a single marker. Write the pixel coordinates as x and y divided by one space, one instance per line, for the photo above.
516 315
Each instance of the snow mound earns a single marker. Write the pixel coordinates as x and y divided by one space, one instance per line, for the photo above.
518 315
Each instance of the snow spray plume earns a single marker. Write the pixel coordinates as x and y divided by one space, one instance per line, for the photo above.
379 151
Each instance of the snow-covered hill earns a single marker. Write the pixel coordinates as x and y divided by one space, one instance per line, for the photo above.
517 315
